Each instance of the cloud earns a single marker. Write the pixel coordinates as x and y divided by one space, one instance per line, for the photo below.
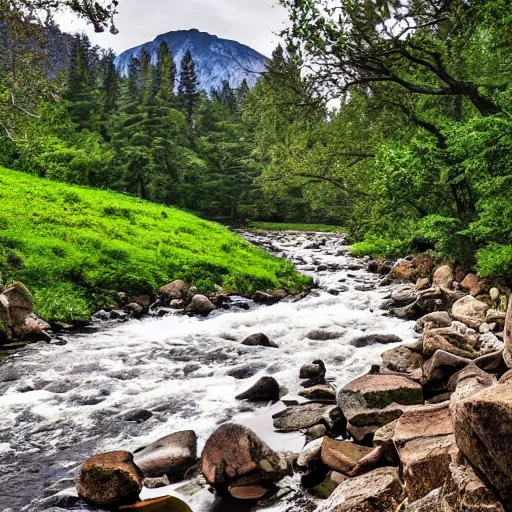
251 22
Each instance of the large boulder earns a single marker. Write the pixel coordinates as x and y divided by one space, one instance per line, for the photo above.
470 311
443 277
402 359
200 305
110 479
452 341
424 439
342 456
404 295
372 401
266 389
177 290
235 457
483 430
172 455
420 266
377 491
473 284
434 320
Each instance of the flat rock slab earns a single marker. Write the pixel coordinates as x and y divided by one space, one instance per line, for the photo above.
299 417
165 504
377 491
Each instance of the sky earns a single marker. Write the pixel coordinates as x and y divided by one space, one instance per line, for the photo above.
250 22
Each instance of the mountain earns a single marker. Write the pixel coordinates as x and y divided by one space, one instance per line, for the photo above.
217 60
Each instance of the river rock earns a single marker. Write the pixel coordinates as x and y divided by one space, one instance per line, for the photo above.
176 290
419 267
470 311
234 456
507 353
404 295
375 400
134 310
402 359
427 504
440 368
483 430
265 298
313 371
323 335
266 389
258 340
137 415
473 284
342 456
449 340
434 320
200 305
172 455
299 417
319 392
311 452
377 491
465 491
110 479
373 339
443 277
165 504
424 439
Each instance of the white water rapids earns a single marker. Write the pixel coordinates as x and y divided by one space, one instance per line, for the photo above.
62 404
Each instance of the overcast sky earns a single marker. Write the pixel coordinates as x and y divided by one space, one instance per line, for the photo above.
251 22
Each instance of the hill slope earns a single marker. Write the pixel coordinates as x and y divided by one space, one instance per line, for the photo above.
217 60
76 248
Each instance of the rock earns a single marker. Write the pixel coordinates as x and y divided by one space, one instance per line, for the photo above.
465 491
191 293
313 371
110 479
490 343
311 452
172 455
319 392
144 301
342 456
402 359
134 310
245 371
323 335
165 504
258 340
483 430
507 353
473 284
200 305
316 432
372 339
234 454
377 491
137 415
404 295
441 367
247 492
443 277
434 320
449 340
375 400
422 284
385 434
419 267
265 298
176 290
494 294
157 483
299 417
373 267
117 314
427 504
266 389
424 439
470 311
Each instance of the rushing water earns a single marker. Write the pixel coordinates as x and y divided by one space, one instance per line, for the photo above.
61 404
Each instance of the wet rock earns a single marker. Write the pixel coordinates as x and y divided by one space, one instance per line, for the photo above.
424 440
483 427
473 284
434 320
110 479
191 293
172 455
200 305
311 452
470 311
313 371
157 483
323 335
316 432
137 415
165 504
144 301
342 456
258 340
373 339
266 389
404 295
134 310
234 456
375 400
402 359
443 277
319 392
173 291
248 492
117 314
301 417
379 490
264 298
245 371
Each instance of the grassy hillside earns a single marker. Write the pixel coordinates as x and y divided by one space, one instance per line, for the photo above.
75 248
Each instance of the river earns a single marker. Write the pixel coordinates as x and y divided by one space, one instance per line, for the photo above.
62 404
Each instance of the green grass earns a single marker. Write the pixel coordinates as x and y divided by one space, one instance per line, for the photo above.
273 226
76 248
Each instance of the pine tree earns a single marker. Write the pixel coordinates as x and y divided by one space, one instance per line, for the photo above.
188 87
146 78
166 74
110 83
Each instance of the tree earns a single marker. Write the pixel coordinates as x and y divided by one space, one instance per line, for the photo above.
188 87
166 74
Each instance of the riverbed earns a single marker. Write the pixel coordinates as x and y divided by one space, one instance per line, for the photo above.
61 404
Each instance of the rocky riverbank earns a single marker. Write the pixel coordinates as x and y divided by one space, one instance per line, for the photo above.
413 433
